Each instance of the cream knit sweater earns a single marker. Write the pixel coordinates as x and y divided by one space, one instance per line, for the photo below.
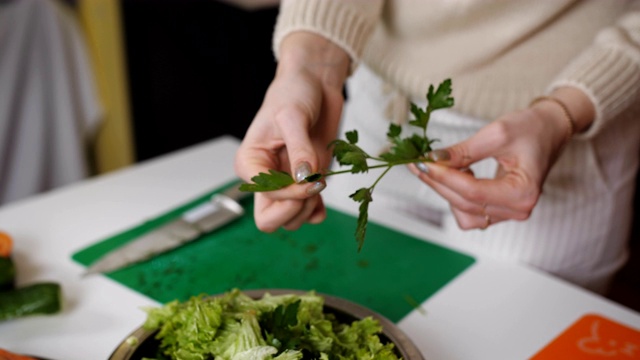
500 54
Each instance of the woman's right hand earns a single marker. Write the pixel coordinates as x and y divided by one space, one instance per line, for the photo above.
298 118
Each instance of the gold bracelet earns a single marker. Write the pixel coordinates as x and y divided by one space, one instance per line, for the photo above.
567 115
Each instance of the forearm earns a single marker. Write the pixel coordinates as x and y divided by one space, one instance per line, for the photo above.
347 23
568 109
578 105
608 73
316 56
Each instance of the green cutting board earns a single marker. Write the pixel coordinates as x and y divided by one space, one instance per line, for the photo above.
393 273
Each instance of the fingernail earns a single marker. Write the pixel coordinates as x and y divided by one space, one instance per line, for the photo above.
302 171
439 155
316 188
422 167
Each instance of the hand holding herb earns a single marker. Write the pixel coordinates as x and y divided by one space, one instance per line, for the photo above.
404 150
299 116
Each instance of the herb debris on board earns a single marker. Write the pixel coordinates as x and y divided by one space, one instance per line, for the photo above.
403 150
235 326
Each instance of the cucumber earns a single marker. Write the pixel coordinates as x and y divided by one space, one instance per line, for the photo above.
7 273
36 299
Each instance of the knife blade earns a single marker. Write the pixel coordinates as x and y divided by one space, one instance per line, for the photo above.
221 209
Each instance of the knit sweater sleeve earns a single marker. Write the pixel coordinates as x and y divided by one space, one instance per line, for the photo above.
347 23
608 71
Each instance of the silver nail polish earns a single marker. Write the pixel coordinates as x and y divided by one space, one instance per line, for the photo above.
302 171
316 188
422 167
439 155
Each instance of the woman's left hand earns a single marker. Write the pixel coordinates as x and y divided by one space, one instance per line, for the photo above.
525 145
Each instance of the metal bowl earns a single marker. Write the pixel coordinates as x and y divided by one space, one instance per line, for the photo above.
344 310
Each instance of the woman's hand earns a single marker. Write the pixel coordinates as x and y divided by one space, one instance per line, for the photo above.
298 118
524 143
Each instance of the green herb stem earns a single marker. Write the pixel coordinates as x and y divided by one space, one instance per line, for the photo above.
380 177
403 151
379 166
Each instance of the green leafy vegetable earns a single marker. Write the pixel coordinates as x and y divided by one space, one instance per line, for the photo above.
283 327
403 150
363 196
348 153
441 99
279 323
274 180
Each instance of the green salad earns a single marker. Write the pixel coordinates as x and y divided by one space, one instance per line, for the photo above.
280 327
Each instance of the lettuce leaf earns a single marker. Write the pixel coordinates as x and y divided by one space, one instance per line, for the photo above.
283 327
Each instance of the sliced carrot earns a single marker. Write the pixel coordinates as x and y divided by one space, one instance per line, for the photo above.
6 246
6 355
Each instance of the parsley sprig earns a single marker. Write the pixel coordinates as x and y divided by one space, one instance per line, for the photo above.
403 150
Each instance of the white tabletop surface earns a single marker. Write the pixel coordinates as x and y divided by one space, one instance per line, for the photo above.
494 310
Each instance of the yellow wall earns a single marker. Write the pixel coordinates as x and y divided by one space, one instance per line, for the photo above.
101 20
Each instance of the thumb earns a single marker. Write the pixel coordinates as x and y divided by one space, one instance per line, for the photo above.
461 155
300 151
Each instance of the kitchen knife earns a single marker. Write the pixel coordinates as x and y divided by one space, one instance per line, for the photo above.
221 209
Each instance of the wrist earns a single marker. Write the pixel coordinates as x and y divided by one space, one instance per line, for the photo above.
556 119
579 106
575 105
567 108
315 54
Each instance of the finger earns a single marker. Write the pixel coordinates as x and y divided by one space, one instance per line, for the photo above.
303 215
297 191
253 158
468 221
513 191
481 145
249 162
302 156
461 203
270 215
319 213
453 198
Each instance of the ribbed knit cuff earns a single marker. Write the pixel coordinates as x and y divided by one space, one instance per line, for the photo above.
609 76
347 24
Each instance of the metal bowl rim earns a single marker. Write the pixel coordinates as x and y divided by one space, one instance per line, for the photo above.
405 346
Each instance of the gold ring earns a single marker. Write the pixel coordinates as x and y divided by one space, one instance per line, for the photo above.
487 221
487 217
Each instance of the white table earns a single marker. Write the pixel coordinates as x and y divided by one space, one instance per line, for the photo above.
494 310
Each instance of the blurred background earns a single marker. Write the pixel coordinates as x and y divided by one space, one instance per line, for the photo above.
92 86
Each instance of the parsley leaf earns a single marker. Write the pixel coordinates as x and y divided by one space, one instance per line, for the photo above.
275 180
402 149
352 136
421 117
394 131
363 196
348 153
441 98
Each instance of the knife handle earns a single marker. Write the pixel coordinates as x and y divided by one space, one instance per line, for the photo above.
235 194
